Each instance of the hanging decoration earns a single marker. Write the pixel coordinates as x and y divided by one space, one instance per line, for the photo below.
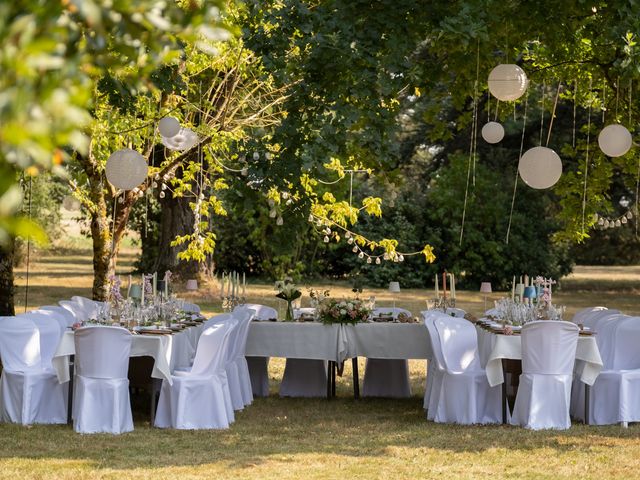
508 82
126 169
540 167
169 127
492 132
614 140
607 222
184 140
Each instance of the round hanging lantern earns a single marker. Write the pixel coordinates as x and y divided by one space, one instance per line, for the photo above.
493 132
540 167
126 169
508 82
614 140
184 140
168 127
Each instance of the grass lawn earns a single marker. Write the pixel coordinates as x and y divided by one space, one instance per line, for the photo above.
341 438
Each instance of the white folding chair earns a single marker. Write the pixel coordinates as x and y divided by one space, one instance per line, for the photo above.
29 387
384 377
196 399
101 398
544 392
259 366
615 395
463 395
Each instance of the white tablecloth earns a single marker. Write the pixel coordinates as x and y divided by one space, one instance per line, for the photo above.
168 351
312 340
492 348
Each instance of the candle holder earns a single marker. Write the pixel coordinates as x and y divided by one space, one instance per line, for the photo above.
230 302
442 303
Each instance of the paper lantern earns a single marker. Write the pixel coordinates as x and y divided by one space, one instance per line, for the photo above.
614 140
184 140
508 82
485 287
169 127
493 132
126 169
540 167
192 284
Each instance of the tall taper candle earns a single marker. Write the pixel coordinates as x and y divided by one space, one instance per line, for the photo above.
244 285
142 294
437 292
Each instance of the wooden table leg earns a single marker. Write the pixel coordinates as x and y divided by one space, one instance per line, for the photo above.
587 391
504 393
333 378
329 378
70 395
356 378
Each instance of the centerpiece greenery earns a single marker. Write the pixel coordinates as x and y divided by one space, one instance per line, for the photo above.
343 311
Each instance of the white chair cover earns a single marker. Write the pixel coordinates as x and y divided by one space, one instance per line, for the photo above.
29 393
434 374
76 310
581 315
387 377
603 322
615 395
241 367
232 388
259 366
544 393
90 307
101 398
51 332
463 395
196 399
68 317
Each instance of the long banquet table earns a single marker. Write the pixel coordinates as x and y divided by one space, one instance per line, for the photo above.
337 343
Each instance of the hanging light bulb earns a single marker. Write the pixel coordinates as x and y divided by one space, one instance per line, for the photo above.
361 255
154 185
401 258
350 240
271 202
354 249
326 239
606 224
279 221
267 155
624 220
629 214
618 223
256 156
162 194
310 218
377 260
164 186
120 199
348 234
386 256
273 214
369 260
601 221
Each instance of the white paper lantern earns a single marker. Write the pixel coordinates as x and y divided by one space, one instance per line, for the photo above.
614 140
184 140
126 169
540 167
169 127
493 132
508 82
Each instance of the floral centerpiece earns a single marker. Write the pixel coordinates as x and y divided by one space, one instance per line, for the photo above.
288 291
353 311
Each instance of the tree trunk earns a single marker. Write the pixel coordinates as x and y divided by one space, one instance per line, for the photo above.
7 289
101 238
177 219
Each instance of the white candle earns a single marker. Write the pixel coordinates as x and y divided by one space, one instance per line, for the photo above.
437 293
513 288
155 283
129 287
142 294
166 285
222 285
453 286
244 285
